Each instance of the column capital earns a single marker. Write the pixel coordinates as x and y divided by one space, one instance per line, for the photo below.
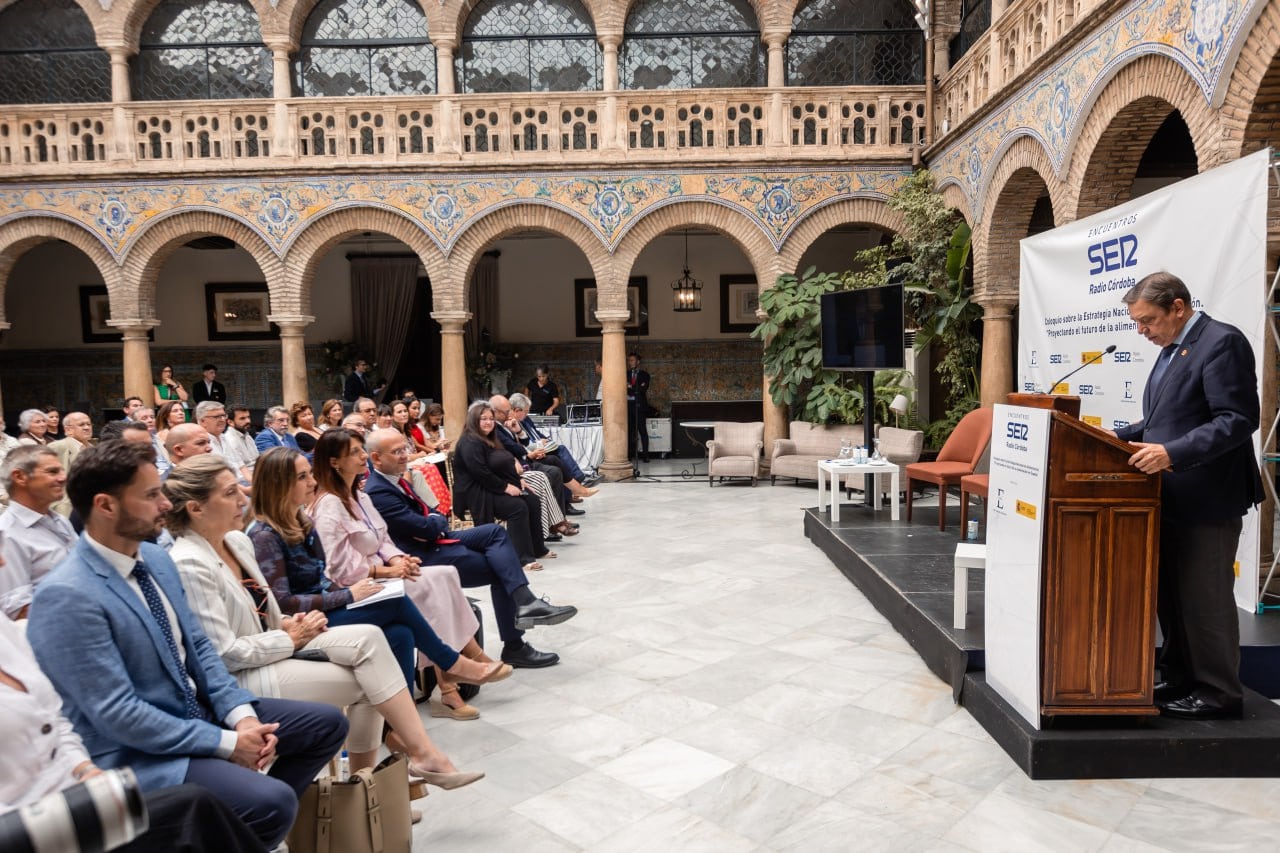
293 322
451 322
445 42
996 306
775 37
609 38
613 320
134 327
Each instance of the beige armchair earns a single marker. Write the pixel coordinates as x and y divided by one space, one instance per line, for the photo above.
735 451
798 456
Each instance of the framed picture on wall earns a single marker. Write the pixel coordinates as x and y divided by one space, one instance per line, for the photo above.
586 300
95 311
238 312
739 299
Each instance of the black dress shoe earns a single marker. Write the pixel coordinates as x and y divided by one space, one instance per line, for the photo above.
552 537
573 510
1166 691
591 481
527 657
1192 707
542 612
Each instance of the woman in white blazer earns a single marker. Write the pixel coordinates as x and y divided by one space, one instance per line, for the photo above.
239 614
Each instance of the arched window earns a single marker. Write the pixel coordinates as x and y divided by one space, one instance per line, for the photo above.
201 50
365 47
528 46
867 43
691 44
48 55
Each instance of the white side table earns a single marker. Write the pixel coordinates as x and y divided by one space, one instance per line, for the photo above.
836 470
969 555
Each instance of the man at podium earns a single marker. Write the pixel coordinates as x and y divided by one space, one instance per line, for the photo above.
1199 413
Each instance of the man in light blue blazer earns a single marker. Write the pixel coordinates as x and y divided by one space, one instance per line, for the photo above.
139 680
275 431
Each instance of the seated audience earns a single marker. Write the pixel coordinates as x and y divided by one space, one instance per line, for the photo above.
213 417
330 415
355 423
185 441
487 485
292 560
355 539
240 616
527 433
47 756
35 538
54 419
239 433
367 409
384 416
275 430
432 424
142 684
403 424
168 416
131 405
481 555
33 427
79 433
415 429
303 421
503 431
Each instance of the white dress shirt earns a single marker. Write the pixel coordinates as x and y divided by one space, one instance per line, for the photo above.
33 543
228 448
41 748
124 564
245 444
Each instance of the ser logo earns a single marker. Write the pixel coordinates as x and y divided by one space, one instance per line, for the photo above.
1118 424
1085 390
1056 358
1114 254
1119 357
1017 431
1029 387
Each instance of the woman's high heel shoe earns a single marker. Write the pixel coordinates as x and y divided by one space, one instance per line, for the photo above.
444 709
447 781
565 529
489 673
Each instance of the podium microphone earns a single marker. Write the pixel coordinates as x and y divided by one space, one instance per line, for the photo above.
1098 357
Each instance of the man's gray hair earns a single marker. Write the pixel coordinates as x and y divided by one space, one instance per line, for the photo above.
24 459
383 440
355 407
27 416
1160 289
207 407
274 411
520 401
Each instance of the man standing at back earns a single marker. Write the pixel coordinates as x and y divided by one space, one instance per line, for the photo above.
139 680
209 388
1200 410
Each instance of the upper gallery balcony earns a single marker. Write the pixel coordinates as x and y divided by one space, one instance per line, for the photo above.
543 130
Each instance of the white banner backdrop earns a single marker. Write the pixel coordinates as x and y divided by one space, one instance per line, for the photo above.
1015 533
1210 231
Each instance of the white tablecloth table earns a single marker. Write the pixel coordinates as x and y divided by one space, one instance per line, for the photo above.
585 442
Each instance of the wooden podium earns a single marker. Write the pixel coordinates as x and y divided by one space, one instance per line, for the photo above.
1100 553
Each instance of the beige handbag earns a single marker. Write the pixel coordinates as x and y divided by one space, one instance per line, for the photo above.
368 814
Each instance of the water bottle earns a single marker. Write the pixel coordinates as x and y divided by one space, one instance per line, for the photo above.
344 767
972 532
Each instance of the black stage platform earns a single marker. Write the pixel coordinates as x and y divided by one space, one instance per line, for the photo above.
907 571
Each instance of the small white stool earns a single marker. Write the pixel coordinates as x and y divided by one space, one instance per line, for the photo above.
969 555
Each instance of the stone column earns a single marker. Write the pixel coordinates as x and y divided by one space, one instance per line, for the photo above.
609 44
775 419
137 356
293 356
281 72
776 42
446 83
119 55
453 369
997 349
283 139
613 366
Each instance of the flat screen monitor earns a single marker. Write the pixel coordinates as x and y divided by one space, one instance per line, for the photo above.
863 329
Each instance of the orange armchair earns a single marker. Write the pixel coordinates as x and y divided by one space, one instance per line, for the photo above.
959 457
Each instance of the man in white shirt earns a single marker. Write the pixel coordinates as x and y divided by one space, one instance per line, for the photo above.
213 417
239 435
141 683
35 538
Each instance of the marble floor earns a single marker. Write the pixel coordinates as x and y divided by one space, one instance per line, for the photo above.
724 688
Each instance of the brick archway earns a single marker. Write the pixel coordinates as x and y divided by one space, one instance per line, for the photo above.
163 235
1105 156
1023 175
513 219
732 225
326 231
21 235
862 211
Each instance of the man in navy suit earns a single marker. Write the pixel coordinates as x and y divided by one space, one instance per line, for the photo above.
140 681
482 556
275 432
1200 410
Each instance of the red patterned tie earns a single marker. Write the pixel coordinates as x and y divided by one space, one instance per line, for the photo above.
417 501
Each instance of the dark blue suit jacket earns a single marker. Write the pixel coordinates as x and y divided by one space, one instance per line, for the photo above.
1205 413
100 646
268 439
410 530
